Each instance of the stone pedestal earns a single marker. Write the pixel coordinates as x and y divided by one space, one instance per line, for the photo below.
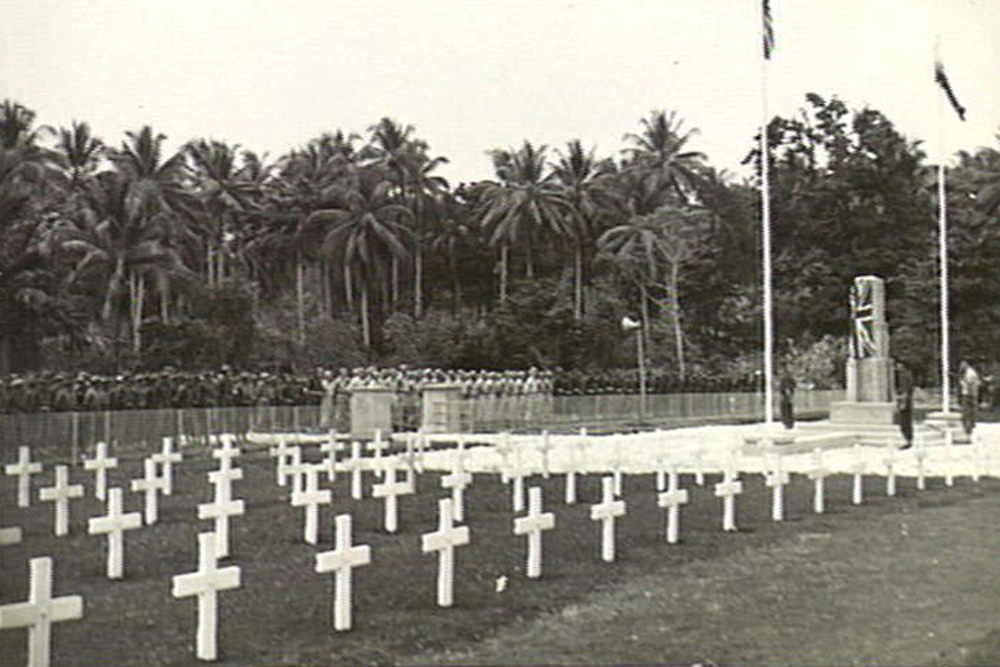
371 410
441 409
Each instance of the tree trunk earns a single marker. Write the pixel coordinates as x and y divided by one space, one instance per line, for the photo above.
644 312
395 282
348 287
676 309
456 285
503 272
366 334
578 282
137 293
164 287
418 281
300 298
209 265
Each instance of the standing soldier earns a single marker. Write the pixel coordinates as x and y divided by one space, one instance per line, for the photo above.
904 402
968 395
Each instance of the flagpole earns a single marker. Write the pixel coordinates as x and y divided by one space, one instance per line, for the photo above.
765 217
943 260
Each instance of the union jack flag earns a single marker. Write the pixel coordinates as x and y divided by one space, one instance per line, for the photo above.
942 80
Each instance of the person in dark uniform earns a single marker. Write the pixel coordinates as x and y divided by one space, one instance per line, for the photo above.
904 402
786 387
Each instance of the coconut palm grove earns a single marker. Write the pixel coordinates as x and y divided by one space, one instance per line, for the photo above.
119 255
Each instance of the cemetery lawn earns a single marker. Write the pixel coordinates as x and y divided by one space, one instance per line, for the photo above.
908 580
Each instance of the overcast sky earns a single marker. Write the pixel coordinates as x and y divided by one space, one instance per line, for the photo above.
471 76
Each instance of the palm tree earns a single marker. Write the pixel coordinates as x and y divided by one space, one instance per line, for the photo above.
524 205
224 191
451 234
116 246
659 159
650 251
408 167
588 186
78 153
986 166
26 279
366 228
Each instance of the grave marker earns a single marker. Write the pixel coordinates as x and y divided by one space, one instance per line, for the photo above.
890 470
728 489
378 445
296 468
818 474
457 481
921 455
672 499
858 469
390 489
151 484
330 448
226 453
353 465
311 498
40 612
281 452
114 526
60 494
206 582
341 561
777 479
533 525
221 508
545 448
167 458
444 540
699 467
24 469
606 512
100 464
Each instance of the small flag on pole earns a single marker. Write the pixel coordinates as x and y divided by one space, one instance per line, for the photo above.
768 29
942 80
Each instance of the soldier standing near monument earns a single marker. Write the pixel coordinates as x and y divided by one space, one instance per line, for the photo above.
786 387
904 402
968 395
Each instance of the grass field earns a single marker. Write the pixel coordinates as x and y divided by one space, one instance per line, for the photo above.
582 609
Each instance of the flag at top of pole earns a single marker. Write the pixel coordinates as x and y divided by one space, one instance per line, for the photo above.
768 29
942 80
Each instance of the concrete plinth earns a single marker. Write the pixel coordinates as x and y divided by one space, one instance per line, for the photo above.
441 409
870 380
371 410
850 412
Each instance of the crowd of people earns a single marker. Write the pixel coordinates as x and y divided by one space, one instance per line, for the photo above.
228 387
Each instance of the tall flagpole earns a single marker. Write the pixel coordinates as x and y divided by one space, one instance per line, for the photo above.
765 217
943 251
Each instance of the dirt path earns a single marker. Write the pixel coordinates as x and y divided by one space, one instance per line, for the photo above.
917 586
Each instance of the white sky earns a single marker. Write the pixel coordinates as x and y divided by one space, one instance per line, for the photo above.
472 75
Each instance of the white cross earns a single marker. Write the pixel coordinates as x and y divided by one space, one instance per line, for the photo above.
617 462
858 467
921 455
101 463
578 452
390 489
341 561
504 449
311 498
40 612
545 448
818 474
606 512
206 582
890 470
378 446
226 453
699 467
114 525
330 448
224 477
517 491
60 494
354 466
661 473
457 481
532 526
728 489
444 540
151 484
777 478
24 469
297 468
949 442
281 453
672 499
167 458
222 507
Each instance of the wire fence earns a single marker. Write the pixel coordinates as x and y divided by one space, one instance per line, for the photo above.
69 436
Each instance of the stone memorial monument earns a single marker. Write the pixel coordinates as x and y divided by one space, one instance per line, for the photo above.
441 409
870 391
371 411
